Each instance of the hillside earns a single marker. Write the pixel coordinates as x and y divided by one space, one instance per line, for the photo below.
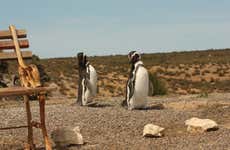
107 125
183 72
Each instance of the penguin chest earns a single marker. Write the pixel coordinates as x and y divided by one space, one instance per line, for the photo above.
90 84
141 87
93 80
141 82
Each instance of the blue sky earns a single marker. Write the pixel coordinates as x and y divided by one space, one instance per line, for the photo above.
60 28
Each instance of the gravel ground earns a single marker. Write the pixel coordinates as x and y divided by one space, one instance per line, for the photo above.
109 126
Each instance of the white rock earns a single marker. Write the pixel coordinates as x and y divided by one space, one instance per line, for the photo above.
67 136
200 125
151 130
79 136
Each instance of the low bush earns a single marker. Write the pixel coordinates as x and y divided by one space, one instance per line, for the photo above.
159 86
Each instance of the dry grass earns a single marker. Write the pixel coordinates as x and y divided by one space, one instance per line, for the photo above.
203 70
109 126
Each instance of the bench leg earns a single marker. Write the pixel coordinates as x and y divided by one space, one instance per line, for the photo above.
42 120
30 145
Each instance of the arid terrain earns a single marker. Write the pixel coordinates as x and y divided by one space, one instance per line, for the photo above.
194 84
181 72
109 126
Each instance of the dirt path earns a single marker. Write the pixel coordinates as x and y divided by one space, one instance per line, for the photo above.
110 126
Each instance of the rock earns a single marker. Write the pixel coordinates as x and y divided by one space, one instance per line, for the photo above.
181 65
66 136
196 125
151 130
181 91
225 107
195 91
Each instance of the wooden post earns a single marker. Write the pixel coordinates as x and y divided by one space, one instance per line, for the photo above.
41 99
29 122
17 47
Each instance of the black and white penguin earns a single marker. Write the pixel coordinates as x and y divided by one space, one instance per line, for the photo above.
87 81
138 83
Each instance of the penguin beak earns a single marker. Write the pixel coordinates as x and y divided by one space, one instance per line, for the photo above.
129 58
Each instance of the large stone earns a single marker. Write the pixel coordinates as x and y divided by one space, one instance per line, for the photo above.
63 137
151 130
181 91
197 125
195 91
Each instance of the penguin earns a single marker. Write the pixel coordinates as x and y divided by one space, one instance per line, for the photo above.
137 86
87 81
2 83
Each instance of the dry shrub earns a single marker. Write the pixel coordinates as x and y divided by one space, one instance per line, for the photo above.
159 86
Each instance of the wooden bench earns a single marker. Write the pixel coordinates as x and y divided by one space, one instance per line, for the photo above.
11 42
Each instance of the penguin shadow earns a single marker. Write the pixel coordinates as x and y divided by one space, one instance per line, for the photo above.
86 145
64 147
157 106
98 105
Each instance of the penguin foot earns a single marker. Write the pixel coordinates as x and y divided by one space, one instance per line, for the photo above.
124 103
75 104
130 108
91 104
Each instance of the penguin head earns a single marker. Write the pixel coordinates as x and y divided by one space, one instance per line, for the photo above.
134 56
82 59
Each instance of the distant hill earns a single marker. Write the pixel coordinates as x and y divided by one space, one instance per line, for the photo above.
184 72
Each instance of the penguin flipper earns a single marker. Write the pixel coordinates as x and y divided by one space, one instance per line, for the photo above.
131 89
87 85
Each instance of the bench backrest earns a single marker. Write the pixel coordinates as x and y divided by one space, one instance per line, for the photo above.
7 44
12 39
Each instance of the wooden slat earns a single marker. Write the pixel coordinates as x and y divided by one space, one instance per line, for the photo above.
17 91
7 35
10 44
17 49
12 55
16 127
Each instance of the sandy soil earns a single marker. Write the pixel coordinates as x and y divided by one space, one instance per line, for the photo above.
109 126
